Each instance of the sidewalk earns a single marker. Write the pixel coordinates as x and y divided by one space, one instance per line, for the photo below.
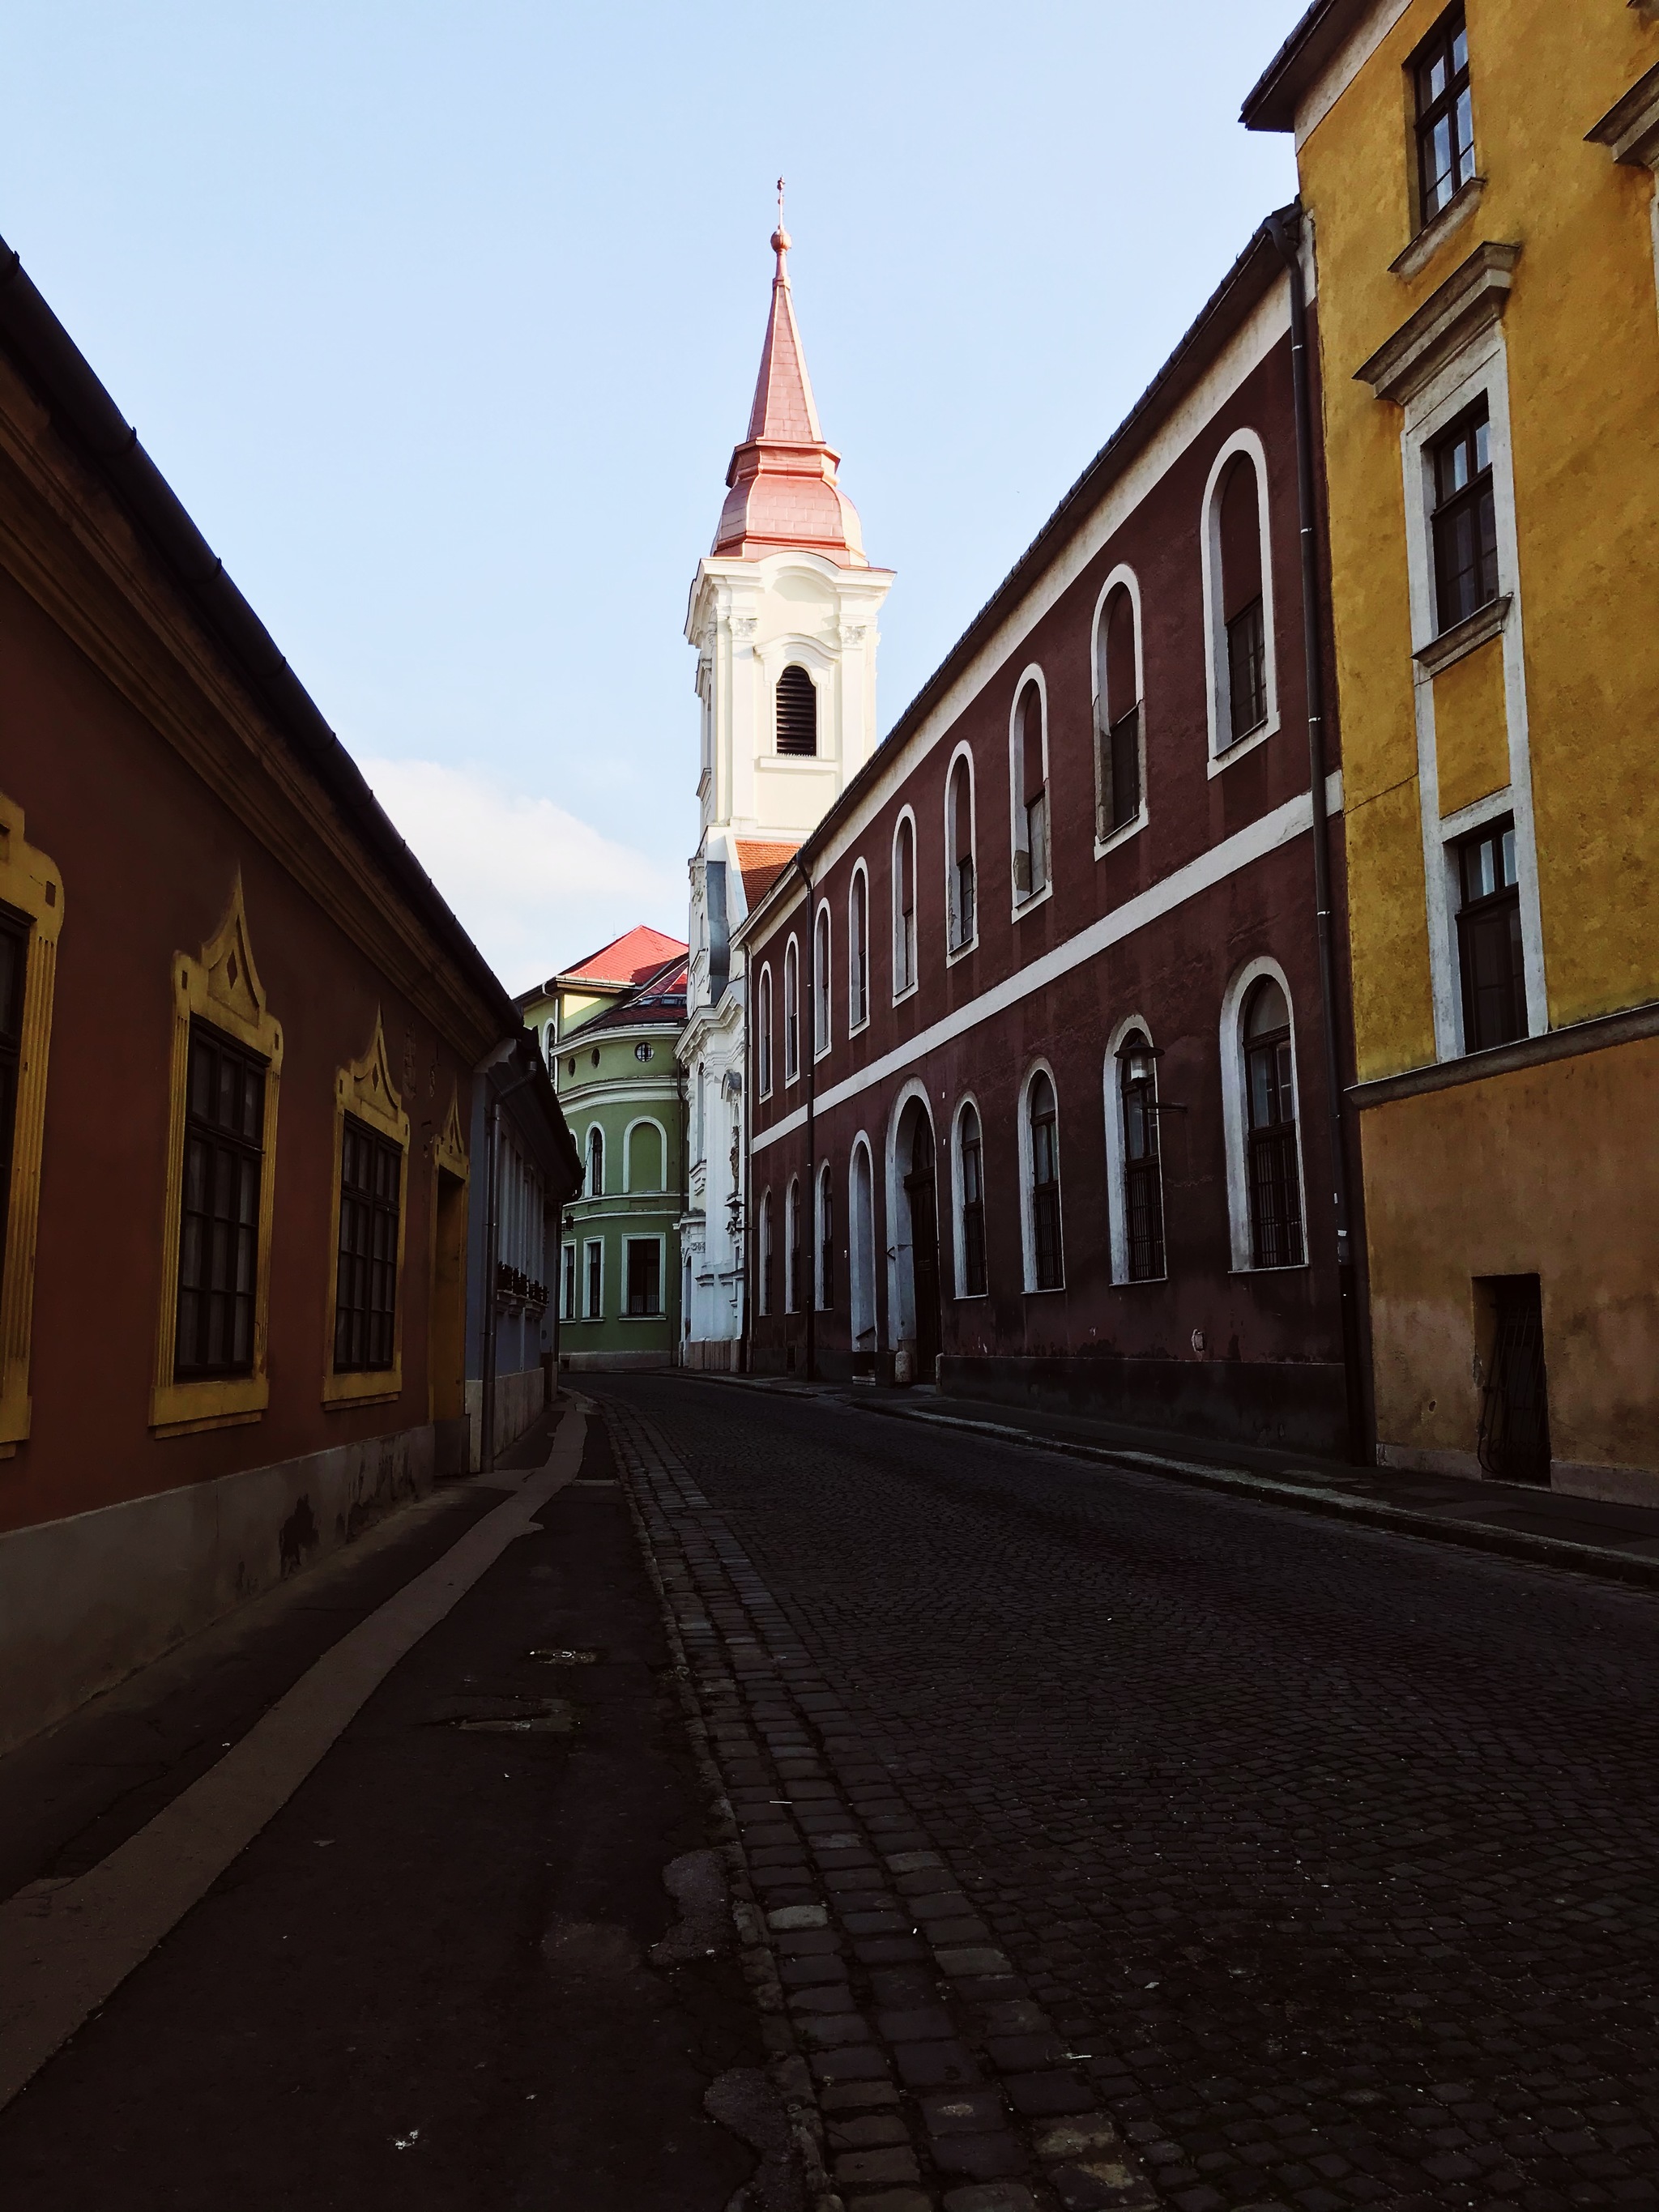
1620 1542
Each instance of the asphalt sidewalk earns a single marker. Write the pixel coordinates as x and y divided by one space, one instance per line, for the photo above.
1551 1528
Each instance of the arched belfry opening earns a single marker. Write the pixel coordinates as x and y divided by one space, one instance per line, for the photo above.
797 713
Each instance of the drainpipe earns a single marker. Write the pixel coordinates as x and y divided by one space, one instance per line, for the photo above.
1285 230
812 1040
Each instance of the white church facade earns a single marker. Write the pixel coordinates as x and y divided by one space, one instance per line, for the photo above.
783 617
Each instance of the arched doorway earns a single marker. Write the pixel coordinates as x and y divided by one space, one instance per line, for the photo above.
861 1239
918 1242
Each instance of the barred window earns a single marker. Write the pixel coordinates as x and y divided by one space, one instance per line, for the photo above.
1143 1168
219 1225
366 1293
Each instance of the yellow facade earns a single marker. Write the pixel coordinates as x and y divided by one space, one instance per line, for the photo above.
1543 1162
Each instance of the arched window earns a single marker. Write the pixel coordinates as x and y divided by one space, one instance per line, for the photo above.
821 982
904 905
645 1153
1117 712
1239 595
596 1161
1143 1168
1029 764
857 950
791 1013
862 1222
766 1290
552 1043
1043 1162
792 1275
961 902
971 1204
797 713
764 1033
1272 1168
826 1240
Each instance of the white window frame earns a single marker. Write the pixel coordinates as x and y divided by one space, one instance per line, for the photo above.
1235 1120
764 1031
790 998
647 1121
645 1237
825 1187
592 1244
1125 576
1219 688
855 1020
1480 372
958 947
958 1197
1027 1170
823 1011
1117 1154
905 814
860 1261
1031 674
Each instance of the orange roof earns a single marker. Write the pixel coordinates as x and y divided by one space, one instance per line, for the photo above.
629 959
760 863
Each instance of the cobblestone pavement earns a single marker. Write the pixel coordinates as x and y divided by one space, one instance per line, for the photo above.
1140 1843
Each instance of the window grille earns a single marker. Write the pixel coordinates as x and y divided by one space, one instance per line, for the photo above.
1465 520
797 713
1275 1179
1489 946
1142 1166
973 1205
366 1291
219 1225
1045 1185
1445 114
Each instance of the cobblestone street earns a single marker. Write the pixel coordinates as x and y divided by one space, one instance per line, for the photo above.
1120 1839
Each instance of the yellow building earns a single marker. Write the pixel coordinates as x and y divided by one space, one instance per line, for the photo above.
1480 185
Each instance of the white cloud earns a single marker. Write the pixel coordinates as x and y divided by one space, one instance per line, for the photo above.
535 887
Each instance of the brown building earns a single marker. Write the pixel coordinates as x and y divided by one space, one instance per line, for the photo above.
239 1031
1039 1070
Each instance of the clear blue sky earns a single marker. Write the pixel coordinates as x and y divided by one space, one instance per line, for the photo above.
443 320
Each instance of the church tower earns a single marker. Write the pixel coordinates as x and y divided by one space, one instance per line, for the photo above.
783 616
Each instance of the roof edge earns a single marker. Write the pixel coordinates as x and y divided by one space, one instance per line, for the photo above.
1272 101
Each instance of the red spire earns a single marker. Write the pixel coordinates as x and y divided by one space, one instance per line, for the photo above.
782 490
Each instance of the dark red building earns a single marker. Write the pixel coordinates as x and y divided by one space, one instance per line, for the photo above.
1039 1086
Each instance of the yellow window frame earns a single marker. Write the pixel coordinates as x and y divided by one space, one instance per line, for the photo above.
222 989
31 885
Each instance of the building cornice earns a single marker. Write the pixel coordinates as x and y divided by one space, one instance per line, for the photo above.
1629 129
1599 1034
1472 298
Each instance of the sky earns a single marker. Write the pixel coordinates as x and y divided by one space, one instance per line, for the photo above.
443 321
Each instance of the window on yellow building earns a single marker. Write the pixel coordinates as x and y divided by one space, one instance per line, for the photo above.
1445 115
1489 938
1465 520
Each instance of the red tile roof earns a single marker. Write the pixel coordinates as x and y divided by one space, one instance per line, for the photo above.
629 959
760 863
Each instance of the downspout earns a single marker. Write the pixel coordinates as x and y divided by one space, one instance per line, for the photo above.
1285 230
811 1127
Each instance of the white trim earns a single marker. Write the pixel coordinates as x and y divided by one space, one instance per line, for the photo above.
958 1243
901 1291
1125 575
861 1248
661 1242
643 1122
906 813
764 1029
1235 1115
821 985
953 950
1031 673
855 1021
1117 1153
1219 688
791 991
1481 371
593 1129
593 1244
1027 1191
1242 850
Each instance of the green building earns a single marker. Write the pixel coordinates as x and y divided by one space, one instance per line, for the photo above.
609 1027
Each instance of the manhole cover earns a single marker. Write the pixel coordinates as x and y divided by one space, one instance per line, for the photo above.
506 1716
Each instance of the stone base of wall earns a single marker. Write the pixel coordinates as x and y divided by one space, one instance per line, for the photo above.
590 1362
1613 1486
518 1399
85 1601
712 1355
1290 1405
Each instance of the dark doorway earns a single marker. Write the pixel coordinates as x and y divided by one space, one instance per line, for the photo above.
1514 1441
919 1187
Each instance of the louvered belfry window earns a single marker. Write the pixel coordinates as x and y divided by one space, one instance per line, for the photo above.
797 713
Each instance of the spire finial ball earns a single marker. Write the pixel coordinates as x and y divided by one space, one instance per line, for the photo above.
781 239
